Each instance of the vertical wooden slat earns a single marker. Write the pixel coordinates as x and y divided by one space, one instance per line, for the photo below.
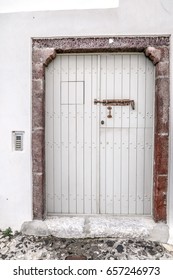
134 89
148 171
72 133
117 170
87 139
133 133
109 172
125 137
109 137
140 170
149 93
149 138
124 172
118 89
141 91
49 138
98 146
132 170
125 89
103 110
65 160
65 137
141 133
94 133
57 136
72 159
117 135
110 88
80 140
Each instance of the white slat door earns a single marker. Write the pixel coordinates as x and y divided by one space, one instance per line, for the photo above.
96 164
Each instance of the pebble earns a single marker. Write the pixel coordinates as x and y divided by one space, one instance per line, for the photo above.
120 248
110 243
23 247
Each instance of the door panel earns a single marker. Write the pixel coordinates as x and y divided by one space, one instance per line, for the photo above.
129 133
96 164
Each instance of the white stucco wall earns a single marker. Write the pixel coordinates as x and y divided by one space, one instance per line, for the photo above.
133 17
42 5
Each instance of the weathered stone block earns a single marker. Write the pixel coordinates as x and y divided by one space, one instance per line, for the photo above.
161 154
38 71
38 179
164 53
38 88
43 55
153 54
160 233
38 202
162 184
162 69
160 198
162 105
38 154
36 228
38 117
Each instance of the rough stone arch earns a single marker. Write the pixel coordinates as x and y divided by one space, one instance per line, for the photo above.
156 48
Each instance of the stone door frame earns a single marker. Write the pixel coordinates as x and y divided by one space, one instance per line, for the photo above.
156 48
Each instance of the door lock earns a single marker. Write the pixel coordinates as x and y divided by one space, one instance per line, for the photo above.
102 122
115 102
109 113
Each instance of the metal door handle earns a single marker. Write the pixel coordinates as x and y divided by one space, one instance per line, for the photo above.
115 102
109 113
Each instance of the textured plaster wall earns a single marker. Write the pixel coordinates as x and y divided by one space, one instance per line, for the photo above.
133 17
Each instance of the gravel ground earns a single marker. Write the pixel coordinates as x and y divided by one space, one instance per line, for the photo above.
23 247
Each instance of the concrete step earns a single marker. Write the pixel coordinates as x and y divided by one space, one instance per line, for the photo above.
98 226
